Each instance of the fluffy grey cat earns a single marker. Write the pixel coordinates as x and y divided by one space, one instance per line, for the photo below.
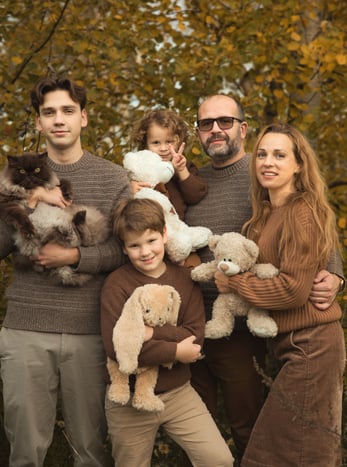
76 225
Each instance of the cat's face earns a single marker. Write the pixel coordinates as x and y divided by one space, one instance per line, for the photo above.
29 170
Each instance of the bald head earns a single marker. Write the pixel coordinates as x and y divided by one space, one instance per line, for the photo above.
212 103
224 145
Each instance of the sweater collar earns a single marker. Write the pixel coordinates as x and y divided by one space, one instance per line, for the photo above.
231 169
68 168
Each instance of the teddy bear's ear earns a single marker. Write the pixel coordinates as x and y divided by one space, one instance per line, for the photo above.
129 332
174 303
213 241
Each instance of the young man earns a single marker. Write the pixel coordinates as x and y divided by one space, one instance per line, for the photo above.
229 362
140 225
50 338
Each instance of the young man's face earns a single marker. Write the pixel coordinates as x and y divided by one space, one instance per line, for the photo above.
146 251
61 120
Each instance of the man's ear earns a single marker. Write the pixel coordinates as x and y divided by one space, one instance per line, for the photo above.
244 128
38 123
84 121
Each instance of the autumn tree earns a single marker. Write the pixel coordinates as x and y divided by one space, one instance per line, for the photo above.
285 60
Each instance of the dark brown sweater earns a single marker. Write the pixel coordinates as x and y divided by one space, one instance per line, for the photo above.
188 192
118 287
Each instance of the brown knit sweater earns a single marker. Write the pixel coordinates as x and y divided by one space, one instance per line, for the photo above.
161 348
187 192
287 294
35 302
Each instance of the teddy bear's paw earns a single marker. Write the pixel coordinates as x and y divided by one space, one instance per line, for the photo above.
202 273
120 397
262 326
215 329
265 271
148 404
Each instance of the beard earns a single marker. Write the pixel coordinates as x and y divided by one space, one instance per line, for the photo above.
223 152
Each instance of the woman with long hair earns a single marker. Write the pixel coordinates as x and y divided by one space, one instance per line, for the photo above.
295 229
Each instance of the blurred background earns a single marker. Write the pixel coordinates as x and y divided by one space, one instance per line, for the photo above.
284 60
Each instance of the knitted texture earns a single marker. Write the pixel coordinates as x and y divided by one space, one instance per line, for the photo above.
225 209
35 302
286 295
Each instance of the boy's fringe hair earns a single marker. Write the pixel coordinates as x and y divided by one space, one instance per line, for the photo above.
137 215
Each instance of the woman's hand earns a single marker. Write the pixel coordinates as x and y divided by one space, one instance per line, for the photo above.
222 282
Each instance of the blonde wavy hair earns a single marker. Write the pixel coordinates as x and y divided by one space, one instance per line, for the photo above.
310 189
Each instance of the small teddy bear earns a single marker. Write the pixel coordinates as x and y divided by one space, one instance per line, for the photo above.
151 305
234 253
182 240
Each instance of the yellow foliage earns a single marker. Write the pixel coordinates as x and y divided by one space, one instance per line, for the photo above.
295 36
341 59
16 60
342 222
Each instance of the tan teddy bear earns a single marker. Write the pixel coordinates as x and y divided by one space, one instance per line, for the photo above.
151 305
234 253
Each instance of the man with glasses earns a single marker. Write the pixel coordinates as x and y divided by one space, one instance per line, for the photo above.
229 362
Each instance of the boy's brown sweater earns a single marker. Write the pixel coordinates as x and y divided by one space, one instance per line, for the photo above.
118 287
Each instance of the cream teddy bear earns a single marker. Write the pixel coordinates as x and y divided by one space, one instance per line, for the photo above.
234 253
182 240
151 305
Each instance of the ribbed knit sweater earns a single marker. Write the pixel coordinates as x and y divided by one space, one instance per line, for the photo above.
35 302
225 208
286 295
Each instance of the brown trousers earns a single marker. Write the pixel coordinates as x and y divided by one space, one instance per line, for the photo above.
300 423
229 366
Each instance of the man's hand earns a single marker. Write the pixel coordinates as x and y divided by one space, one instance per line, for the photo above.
324 289
53 196
53 255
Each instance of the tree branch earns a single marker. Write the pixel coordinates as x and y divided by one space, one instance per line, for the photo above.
40 47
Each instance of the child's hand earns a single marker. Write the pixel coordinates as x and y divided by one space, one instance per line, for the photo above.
179 162
53 196
136 186
187 351
148 333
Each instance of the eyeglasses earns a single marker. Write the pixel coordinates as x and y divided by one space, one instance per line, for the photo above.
224 123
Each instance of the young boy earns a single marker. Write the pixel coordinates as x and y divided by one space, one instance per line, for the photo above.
140 225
